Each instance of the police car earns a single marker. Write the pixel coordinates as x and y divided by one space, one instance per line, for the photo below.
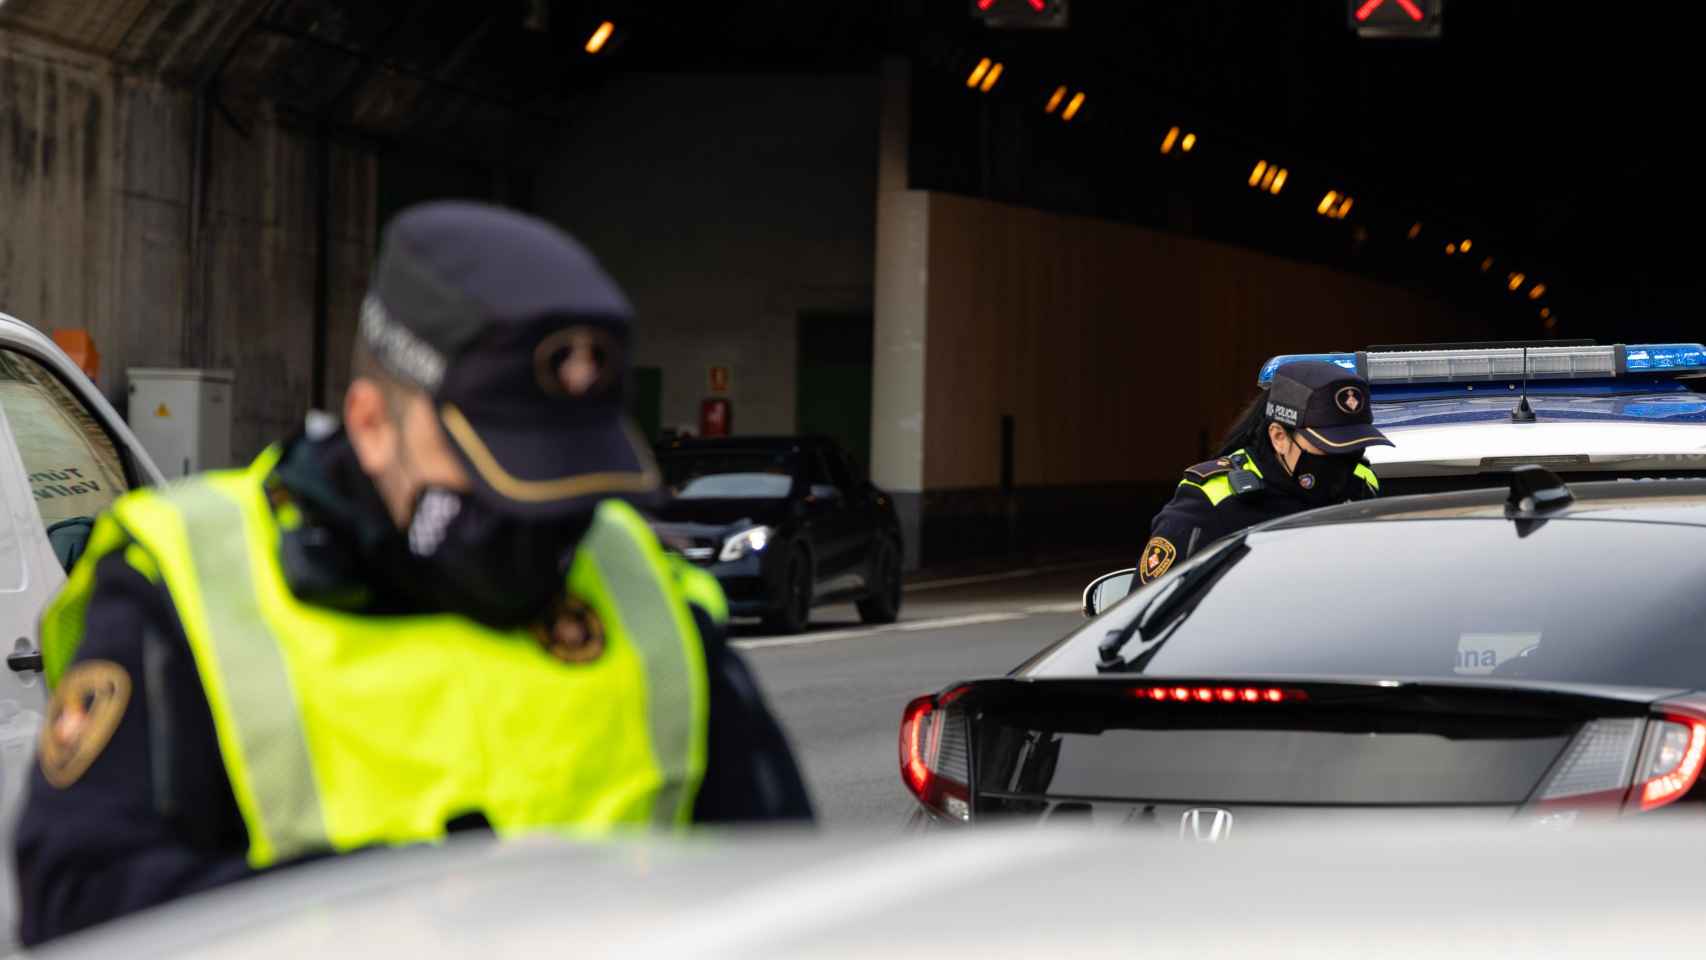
65 455
1462 417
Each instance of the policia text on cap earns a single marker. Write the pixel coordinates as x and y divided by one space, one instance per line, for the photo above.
1298 445
444 615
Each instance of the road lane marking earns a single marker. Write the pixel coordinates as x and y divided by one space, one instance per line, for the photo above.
937 623
805 638
969 620
1075 606
1003 575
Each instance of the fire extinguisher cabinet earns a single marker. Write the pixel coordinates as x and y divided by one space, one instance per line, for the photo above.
716 417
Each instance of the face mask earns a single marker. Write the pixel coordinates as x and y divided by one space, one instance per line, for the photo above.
1323 479
460 556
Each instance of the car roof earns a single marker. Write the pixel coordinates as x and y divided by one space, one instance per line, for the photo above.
1629 433
17 333
1494 406
1680 501
1342 887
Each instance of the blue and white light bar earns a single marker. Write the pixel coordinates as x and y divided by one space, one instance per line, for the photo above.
1480 365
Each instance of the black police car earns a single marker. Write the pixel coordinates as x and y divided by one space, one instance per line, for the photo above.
785 524
1534 653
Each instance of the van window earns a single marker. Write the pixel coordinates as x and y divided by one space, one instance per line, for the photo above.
73 465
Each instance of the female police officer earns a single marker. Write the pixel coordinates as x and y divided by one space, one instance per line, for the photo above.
1297 446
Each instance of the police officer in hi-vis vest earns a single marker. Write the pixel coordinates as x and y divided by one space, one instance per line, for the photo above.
1298 445
443 616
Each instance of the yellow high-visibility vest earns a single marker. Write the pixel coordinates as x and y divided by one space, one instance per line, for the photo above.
341 731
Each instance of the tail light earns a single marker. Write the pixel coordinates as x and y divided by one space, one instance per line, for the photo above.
1627 765
935 759
1670 764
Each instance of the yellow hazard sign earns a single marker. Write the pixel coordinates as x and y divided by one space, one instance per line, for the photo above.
162 411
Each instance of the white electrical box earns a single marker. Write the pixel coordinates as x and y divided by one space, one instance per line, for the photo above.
183 418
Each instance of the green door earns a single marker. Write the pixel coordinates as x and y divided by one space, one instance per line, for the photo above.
833 378
645 401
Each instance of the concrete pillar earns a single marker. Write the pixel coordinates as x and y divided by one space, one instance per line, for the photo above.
902 285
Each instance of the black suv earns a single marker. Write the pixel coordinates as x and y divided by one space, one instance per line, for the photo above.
785 524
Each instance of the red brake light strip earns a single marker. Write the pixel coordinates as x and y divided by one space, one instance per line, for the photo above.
1219 694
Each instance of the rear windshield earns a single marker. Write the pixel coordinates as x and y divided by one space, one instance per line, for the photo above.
1588 601
729 474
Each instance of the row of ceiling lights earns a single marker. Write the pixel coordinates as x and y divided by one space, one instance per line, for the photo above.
987 73
1267 177
1515 281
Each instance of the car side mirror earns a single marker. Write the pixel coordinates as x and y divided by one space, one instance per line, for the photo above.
1107 590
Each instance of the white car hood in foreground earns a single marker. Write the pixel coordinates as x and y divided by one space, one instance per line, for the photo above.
1472 447
1407 890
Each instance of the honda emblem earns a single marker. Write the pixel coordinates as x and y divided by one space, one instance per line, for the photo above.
1205 825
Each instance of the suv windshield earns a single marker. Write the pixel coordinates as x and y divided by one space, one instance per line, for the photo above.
729 474
1574 601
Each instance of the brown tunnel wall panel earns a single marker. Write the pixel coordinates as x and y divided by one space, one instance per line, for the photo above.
1115 347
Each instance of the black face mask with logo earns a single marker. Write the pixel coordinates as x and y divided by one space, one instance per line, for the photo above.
460 556
1322 479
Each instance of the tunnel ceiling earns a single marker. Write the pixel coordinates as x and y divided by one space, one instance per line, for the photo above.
1556 129
445 67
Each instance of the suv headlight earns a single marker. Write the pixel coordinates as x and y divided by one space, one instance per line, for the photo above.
746 543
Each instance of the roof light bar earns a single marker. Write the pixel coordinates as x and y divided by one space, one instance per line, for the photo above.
1506 363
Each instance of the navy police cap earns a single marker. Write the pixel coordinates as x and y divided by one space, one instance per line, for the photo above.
1326 404
521 339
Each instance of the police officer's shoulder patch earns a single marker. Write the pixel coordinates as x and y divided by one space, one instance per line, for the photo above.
574 633
1158 554
87 707
1209 469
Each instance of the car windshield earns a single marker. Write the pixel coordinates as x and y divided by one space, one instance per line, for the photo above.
729 474
1572 601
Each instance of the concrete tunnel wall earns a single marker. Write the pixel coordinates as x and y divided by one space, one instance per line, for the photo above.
725 206
96 174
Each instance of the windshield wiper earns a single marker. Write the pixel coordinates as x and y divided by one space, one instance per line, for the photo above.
1155 615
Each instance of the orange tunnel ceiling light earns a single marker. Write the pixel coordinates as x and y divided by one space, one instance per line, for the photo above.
1169 140
1189 143
977 73
600 37
1054 100
1256 174
1072 107
994 77
1327 202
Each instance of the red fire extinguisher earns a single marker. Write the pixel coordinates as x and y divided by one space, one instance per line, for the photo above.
716 417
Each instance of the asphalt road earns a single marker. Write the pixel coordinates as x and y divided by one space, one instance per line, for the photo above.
840 687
